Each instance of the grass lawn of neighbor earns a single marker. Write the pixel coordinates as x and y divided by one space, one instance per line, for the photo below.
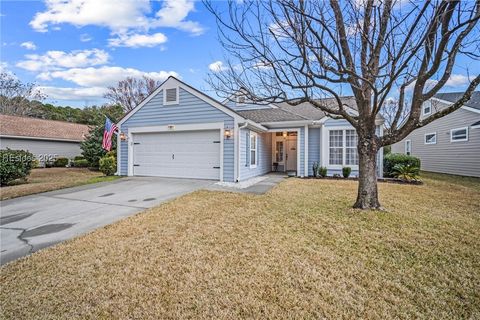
48 179
298 251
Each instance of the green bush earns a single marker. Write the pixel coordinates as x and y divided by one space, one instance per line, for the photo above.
322 171
108 165
346 172
78 158
406 172
60 162
393 159
81 163
15 164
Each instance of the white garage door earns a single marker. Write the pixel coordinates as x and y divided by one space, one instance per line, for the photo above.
186 154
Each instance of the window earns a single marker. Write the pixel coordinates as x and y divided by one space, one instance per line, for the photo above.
431 138
427 108
253 149
336 147
459 134
343 147
170 96
408 147
351 147
279 151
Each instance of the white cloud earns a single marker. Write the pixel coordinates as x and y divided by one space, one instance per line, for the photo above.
85 37
29 45
457 80
118 16
62 93
217 66
53 60
102 76
138 40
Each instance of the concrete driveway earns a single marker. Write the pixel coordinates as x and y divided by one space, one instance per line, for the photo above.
30 223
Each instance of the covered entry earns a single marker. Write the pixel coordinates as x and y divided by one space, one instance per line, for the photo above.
284 151
178 154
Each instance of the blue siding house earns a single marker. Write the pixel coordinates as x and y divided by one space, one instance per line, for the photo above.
181 132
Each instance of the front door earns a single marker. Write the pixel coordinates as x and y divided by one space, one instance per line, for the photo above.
291 153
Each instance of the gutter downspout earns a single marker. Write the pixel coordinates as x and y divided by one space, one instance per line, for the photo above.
243 126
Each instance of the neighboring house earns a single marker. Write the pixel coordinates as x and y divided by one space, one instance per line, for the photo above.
179 131
46 139
450 144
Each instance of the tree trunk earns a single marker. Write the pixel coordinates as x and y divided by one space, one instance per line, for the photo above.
367 197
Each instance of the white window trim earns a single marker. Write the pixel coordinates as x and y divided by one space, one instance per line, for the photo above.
457 129
165 103
423 108
427 134
253 134
344 147
406 143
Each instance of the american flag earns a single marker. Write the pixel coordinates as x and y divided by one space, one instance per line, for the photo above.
110 128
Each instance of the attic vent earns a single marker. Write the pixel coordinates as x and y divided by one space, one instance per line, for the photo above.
241 99
171 96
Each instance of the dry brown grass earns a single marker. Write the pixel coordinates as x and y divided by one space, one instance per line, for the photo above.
297 252
48 179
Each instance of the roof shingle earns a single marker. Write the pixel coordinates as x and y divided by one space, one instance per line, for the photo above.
453 97
39 128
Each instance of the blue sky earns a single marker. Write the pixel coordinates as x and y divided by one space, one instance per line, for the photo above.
74 50
73 57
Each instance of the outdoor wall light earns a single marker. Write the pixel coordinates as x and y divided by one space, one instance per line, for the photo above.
284 134
228 133
123 136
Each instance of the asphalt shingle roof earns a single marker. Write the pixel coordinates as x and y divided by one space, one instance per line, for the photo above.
453 97
270 115
39 128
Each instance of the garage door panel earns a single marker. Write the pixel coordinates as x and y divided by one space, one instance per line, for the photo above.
189 154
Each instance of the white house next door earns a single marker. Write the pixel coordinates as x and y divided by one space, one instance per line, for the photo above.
182 154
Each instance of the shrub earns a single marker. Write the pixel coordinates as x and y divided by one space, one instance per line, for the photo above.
108 165
315 169
346 172
406 172
336 175
82 163
15 164
322 171
60 162
392 159
78 158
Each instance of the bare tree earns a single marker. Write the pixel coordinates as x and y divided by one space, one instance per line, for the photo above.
16 97
300 51
130 92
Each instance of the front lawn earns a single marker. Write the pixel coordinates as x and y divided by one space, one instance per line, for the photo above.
48 179
297 252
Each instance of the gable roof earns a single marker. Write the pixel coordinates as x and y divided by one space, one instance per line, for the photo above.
453 97
188 88
42 129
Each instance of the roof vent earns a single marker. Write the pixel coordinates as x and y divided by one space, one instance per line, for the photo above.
171 96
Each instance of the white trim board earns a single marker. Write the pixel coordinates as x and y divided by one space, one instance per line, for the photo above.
39 138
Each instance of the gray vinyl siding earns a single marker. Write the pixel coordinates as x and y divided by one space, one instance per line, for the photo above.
43 149
190 110
314 147
264 157
460 158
